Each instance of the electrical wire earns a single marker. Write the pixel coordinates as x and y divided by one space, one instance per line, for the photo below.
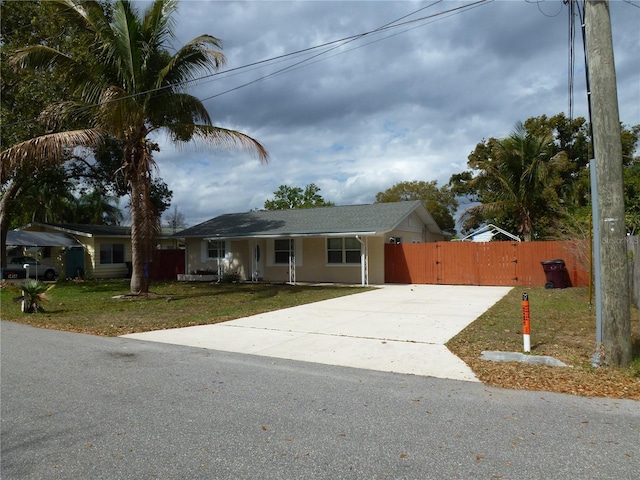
572 57
329 46
540 2
307 62
580 8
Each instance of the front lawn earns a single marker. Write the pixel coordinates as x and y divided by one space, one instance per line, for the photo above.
90 307
563 326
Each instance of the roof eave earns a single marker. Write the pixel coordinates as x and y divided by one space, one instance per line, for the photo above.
60 229
289 235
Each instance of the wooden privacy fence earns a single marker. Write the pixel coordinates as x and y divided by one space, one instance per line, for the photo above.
487 263
167 264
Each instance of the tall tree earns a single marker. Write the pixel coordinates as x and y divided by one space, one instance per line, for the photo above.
95 171
95 208
560 205
632 197
175 220
47 198
295 197
631 173
515 180
135 87
23 95
440 202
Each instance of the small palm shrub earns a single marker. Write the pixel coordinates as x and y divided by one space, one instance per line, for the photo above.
34 293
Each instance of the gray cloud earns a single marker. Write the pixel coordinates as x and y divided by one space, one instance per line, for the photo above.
407 104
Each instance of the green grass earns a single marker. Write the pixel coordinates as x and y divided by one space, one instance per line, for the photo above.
90 307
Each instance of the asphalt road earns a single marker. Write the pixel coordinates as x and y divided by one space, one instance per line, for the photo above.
84 407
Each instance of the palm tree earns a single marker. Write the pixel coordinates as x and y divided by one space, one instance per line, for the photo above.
516 176
46 197
95 208
134 89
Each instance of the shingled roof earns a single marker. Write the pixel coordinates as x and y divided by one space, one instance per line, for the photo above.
84 230
372 219
89 230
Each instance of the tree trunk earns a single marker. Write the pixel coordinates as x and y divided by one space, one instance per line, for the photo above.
12 191
145 227
137 284
526 224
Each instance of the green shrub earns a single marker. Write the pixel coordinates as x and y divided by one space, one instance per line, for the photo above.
230 277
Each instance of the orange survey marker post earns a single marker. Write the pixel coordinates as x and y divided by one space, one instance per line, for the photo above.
526 323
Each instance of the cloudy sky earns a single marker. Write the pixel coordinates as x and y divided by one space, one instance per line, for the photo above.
360 114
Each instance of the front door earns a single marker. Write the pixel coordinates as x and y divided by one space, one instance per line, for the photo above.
75 262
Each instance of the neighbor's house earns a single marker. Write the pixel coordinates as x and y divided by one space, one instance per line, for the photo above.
102 251
343 244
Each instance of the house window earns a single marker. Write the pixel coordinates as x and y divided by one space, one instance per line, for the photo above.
216 249
283 249
343 250
111 253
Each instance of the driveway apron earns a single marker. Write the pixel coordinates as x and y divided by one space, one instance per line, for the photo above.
394 328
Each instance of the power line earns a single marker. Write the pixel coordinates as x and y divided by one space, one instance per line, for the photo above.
391 25
631 3
330 46
347 40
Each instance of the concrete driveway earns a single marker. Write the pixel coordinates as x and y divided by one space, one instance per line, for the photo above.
395 328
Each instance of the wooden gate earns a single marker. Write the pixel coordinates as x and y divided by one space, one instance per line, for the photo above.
483 263
167 264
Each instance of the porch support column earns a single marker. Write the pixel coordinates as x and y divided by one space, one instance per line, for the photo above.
364 261
254 261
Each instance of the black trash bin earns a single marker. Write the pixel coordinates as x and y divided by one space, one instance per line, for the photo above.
556 274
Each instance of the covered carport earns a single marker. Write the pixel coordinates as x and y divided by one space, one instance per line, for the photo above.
72 250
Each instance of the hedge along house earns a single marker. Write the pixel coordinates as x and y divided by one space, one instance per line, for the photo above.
343 244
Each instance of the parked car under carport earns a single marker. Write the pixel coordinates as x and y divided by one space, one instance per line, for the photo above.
36 269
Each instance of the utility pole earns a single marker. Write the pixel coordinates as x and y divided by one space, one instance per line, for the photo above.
615 348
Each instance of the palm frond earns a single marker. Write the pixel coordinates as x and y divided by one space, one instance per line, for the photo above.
120 114
42 57
197 57
487 208
218 137
494 177
55 114
32 293
45 150
86 14
39 57
126 47
159 23
166 110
